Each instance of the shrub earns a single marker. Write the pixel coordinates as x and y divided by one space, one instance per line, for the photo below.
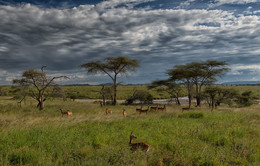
141 95
245 99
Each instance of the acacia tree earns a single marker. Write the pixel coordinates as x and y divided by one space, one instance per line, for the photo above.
112 66
168 86
216 95
205 73
197 74
38 83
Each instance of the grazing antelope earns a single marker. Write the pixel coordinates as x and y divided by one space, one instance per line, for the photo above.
154 108
142 111
65 112
124 113
162 108
139 145
108 111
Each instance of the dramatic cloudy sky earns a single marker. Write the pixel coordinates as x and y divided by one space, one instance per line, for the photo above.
63 34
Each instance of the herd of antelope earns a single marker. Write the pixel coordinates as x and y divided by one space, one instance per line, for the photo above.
140 110
155 108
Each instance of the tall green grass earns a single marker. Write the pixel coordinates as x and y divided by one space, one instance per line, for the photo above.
89 137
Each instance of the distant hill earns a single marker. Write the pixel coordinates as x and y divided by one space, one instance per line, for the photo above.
242 83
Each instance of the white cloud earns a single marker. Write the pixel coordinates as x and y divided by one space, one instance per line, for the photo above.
63 39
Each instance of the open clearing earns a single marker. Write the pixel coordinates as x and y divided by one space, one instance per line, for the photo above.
227 136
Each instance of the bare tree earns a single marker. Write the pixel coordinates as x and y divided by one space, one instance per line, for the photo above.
112 66
38 83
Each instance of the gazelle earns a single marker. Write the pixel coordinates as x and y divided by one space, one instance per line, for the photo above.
162 108
124 113
65 112
154 108
108 111
139 145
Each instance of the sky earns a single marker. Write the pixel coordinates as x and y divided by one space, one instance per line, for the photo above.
63 34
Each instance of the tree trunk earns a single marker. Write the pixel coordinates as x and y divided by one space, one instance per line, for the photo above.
41 105
212 103
189 96
198 100
103 95
178 101
115 86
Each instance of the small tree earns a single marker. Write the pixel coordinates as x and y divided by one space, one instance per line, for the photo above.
106 93
39 83
245 99
58 92
183 75
216 95
173 89
212 92
141 95
112 66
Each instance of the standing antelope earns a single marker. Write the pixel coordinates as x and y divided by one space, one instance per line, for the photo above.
65 112
124 113
162 108
139 145
108 111
154 108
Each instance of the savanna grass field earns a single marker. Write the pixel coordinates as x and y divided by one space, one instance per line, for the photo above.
225 136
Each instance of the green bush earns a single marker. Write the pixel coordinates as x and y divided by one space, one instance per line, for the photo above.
141 95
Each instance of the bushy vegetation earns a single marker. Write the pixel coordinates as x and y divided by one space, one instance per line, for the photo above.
89 137
141 95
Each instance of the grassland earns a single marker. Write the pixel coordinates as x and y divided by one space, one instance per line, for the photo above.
227 136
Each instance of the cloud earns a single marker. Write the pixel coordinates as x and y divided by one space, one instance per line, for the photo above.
223 2
185 4
63 39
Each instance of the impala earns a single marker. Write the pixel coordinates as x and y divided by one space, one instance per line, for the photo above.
65 112
162 108
154 108
108 111
139 145
124 113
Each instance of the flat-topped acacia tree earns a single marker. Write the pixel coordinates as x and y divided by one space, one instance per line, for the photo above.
197 74
112 66
38 83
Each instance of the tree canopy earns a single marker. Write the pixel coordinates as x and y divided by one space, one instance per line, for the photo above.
112 66
39 81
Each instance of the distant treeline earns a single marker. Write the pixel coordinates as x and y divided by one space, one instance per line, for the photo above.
124 91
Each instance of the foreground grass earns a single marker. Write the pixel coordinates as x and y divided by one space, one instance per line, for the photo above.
89 137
